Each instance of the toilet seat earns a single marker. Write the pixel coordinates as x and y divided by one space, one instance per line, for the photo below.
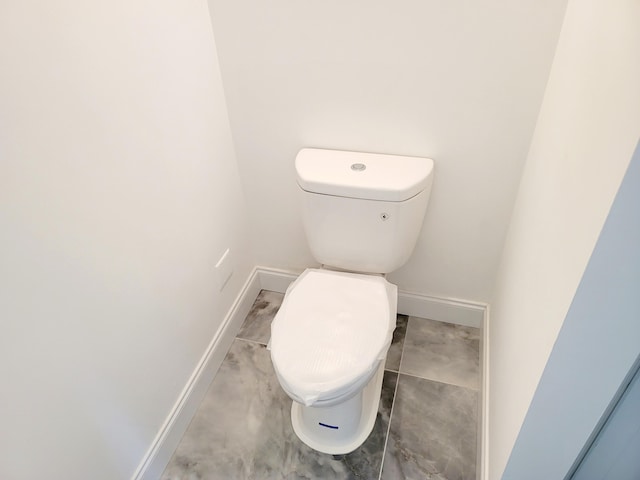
331 333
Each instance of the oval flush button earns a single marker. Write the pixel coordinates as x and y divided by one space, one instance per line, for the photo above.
358 167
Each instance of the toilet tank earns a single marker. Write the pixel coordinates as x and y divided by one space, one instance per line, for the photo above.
362 212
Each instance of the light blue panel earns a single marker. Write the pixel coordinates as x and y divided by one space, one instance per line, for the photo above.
615 455
595 349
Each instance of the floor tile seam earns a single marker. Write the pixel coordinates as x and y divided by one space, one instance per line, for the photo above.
393 402
439 381
386 437
404 344
251 341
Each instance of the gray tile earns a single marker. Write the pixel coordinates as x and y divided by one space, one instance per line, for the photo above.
257 325
395 350
243 430
442 351
433 432
240 414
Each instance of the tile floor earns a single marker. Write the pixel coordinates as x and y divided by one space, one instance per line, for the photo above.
425 429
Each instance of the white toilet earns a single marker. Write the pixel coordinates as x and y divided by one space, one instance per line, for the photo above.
362 215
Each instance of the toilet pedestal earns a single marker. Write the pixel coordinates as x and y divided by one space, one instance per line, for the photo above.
342 428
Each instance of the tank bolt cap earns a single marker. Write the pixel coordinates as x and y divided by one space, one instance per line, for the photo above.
384 216
358 167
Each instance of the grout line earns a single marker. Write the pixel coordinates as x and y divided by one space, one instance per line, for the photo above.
438 381
251 341
393 403
386 438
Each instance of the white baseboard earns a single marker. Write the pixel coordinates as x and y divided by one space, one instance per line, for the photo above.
263 278
274 279
483 437
165 443
448 310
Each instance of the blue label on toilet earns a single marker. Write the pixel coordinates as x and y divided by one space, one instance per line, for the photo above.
334 427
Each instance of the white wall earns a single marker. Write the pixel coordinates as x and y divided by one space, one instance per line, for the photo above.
459 81
119 191
585 135
598 344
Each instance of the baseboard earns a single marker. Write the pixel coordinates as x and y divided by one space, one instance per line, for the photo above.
483 427
165 443
274 279
447 310
461 312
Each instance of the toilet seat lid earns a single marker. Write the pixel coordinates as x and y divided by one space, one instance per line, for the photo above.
331 329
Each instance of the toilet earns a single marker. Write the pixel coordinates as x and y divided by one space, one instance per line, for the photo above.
362 214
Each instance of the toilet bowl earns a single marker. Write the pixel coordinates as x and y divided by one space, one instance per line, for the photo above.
328 344
362 214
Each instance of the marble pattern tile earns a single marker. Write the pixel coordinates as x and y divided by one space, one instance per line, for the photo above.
443 352
257 325
433 432
243 430
395 350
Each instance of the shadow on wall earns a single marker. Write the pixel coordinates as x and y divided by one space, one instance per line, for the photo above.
595 349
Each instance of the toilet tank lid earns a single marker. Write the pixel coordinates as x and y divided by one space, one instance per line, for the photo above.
369 176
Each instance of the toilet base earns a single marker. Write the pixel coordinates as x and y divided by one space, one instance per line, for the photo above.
342 428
